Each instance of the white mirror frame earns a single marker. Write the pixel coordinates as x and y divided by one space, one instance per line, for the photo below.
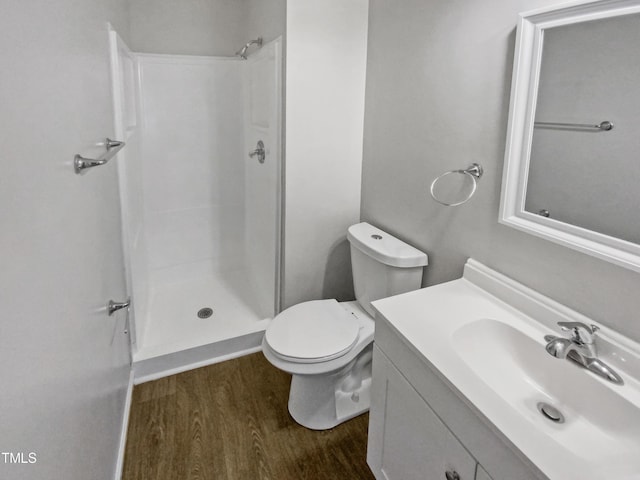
524 90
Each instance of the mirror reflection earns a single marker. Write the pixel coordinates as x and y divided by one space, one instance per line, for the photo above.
580 174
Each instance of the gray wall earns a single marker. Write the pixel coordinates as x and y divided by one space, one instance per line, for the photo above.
188 27
203 27
326 53
266 19
438 83
65 363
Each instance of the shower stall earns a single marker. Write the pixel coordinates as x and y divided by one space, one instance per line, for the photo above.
200 185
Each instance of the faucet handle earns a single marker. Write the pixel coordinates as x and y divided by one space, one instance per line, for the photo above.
582 333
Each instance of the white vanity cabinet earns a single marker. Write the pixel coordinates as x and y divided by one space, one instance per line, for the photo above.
419 429
407 441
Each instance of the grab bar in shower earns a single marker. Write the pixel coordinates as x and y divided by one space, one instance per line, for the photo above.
81 163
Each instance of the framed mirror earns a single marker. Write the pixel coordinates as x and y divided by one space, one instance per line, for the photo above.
572 160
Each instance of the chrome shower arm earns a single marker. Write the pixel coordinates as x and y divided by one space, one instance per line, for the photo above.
242 53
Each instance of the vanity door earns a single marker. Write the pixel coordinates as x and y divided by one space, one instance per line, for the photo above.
407 441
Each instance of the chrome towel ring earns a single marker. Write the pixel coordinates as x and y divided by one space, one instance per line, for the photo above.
473 171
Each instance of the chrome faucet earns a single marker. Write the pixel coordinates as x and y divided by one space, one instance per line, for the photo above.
581 349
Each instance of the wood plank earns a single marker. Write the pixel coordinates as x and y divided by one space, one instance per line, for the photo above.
230 421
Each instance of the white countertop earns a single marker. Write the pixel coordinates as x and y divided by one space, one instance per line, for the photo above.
441 323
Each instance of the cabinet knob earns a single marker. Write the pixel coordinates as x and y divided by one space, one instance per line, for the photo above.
451 475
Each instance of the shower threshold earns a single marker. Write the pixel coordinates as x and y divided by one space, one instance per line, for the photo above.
197 322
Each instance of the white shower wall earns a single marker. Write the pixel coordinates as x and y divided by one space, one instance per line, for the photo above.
192 121
203 216
125 90
262 121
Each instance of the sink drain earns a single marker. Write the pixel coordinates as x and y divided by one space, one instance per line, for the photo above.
550 412
205 312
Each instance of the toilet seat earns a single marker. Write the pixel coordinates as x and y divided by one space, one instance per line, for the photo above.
312 332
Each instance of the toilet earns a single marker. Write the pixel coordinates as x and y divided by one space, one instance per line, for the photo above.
327 345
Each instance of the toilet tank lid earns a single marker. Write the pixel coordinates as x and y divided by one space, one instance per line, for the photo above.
384 247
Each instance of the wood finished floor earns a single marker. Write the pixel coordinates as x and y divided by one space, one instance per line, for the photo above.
230 421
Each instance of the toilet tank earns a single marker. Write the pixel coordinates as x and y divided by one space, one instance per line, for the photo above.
382 265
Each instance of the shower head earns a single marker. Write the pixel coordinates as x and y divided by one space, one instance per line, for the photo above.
242 53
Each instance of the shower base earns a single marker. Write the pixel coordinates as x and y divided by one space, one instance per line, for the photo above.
177 338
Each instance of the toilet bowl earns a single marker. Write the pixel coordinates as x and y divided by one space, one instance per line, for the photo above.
327 345
322 386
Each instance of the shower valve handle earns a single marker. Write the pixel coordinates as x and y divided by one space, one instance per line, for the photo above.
113 307
259 151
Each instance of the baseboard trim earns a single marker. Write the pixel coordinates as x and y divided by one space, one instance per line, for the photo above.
124 428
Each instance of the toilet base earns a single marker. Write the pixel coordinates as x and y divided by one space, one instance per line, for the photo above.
320 402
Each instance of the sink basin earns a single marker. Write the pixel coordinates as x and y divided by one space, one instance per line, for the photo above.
600 426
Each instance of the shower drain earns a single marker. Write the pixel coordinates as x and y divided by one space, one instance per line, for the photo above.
205 312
